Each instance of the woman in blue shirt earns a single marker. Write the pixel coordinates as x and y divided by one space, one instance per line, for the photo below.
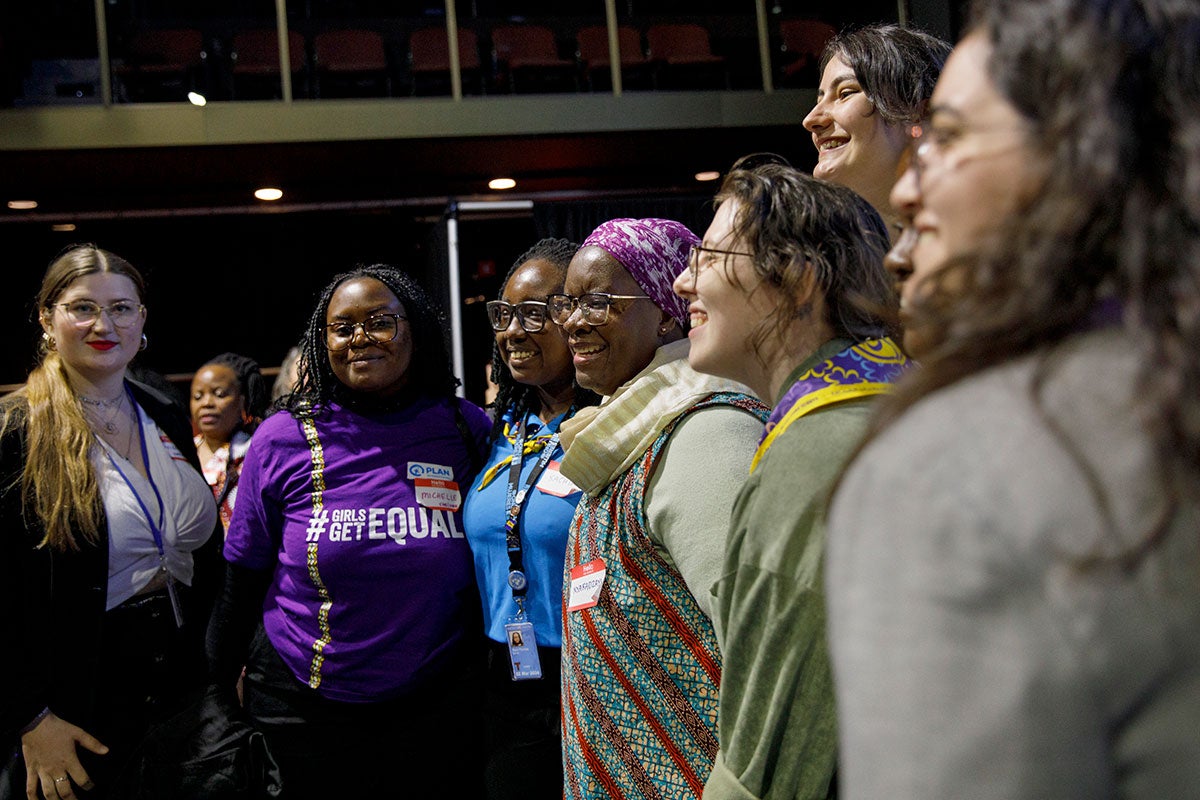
516 521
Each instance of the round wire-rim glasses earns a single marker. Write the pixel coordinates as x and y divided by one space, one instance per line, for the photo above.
377 328
694 265
83 313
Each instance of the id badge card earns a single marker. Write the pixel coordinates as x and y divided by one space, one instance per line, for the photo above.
523 660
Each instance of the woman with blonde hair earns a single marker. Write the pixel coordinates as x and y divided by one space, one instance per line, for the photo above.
103 565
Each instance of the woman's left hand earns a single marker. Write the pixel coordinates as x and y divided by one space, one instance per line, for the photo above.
51 758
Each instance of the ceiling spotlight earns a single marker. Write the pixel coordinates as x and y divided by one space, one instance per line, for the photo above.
22 205
196 99
707 176
63 227
268 193
500 184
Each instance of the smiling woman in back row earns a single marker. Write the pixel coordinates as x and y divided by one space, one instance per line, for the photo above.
875 85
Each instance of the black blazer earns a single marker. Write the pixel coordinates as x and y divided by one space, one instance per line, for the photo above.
54 601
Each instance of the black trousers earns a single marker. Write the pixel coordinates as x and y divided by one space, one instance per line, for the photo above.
427 744
524 730
149 670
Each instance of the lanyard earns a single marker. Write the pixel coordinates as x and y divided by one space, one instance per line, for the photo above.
155 527
515 498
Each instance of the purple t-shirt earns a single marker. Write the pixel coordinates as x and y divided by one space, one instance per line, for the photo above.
389 551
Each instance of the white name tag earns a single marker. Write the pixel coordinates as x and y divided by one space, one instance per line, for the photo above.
442 495
554 482
419 469
586 582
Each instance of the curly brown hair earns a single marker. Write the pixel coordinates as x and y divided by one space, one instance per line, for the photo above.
1110 91
797 226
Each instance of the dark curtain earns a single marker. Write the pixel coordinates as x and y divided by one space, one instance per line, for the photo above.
437 261
575 219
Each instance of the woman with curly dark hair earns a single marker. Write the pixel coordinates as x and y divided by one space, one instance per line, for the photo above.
350 594
517 517
1014 566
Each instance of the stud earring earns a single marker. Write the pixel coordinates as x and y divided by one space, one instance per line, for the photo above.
51 343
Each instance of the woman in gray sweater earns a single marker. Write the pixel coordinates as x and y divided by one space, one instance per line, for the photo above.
1014 565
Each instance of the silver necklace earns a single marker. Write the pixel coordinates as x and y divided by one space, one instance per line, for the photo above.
99 411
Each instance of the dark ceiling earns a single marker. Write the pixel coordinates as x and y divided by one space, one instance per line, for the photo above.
128 181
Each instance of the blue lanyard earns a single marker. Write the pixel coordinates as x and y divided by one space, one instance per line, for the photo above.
515 499
155 527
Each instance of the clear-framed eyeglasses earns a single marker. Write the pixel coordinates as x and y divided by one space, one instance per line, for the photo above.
703 257
378 328
531 315
593 306
84 313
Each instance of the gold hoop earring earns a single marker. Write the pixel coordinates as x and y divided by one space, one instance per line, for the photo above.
51 343
145 343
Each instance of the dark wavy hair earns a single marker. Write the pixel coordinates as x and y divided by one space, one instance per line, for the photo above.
796 225
897 67
431 371
514 399
1110 92
250 380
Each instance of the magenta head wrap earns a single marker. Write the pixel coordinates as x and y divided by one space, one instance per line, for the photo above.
654 251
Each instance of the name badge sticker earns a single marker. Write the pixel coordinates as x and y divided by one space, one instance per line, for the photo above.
420 469
433 493
554 482
586 582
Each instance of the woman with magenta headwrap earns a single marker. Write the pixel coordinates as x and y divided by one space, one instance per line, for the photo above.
660 462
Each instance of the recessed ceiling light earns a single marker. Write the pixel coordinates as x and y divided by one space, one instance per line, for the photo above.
707 176
268 193
22 205
197 99
63 227
501 183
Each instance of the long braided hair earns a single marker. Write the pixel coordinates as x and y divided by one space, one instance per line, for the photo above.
517 400
430 369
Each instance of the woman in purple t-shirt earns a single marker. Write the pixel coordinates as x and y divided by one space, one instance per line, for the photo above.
350 595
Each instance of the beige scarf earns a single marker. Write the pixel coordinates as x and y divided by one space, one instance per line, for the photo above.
604 441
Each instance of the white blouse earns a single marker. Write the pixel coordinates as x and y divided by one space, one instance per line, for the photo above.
187 511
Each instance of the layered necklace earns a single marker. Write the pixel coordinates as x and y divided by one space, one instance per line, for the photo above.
105 412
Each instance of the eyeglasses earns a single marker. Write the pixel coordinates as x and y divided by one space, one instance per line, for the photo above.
695 265
378 328
593 306
83 313
938 145
531 315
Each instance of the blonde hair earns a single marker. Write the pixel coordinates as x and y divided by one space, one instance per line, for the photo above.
58 483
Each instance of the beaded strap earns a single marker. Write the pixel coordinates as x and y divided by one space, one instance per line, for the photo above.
316 525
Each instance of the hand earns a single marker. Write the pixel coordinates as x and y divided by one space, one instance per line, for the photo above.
51 760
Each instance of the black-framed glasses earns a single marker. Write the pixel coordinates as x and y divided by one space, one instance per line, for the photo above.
696 263
378 328
83 313
593 306
531 315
